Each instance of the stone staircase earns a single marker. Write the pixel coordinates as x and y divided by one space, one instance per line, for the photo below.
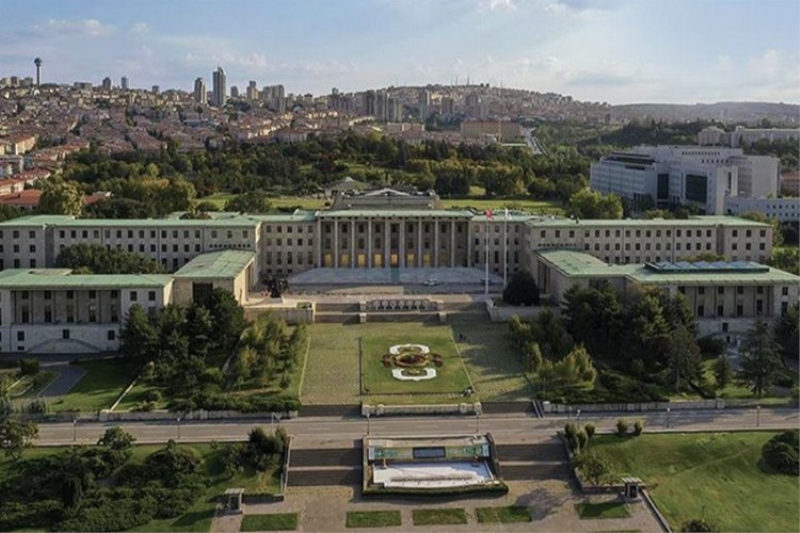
535 461
325 467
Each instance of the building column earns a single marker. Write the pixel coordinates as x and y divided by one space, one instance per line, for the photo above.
352 244
335 243
387 244
318 247
453 244
369 243
419 244
436 243
402 243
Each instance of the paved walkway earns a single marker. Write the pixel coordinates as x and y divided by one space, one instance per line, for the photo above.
551 504
68 377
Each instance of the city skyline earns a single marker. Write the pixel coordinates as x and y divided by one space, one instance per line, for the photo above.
593 50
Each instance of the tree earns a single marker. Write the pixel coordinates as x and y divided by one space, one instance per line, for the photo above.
139 336
590 204
227 317
117 439
684 364
16 435
723 371
594 467
786 331
786 259
7 212
64 198
97 259
521 289
249 202
781 452
761 359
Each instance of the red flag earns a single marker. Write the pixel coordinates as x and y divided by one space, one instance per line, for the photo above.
489 214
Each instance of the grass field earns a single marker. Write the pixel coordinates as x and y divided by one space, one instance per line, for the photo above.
450 377
715 475
29 386
433 517
587 510
105 379
269 522
305 202
373 519
332 371
503 515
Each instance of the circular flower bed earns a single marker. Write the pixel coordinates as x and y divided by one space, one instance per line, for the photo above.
412 360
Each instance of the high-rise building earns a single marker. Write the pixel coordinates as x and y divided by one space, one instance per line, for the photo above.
200 91
252 91
106 83
156 89
219 95
448 105
424 104
394 111
124 83
234 91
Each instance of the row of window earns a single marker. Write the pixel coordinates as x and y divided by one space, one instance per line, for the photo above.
73 234
279 242
394 228
740 309
279 229
65 335
739 290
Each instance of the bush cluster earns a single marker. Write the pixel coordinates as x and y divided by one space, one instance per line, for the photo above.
781 453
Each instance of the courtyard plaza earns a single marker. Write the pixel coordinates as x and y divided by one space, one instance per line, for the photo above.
431 277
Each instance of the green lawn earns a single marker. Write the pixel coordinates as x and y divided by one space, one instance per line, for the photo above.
373 518
450 377
269 522
530 205
588 510
332 371
30 386
309 203
105 379
715 475
135 396
433 517
503 515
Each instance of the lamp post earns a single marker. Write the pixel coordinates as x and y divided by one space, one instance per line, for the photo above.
74 430
179 427
579 418
667 417
758 416
368 428
477 423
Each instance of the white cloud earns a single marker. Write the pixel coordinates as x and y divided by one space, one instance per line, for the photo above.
139 27
70 28
500 5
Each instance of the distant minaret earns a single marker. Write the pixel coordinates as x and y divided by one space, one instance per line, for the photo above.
38 63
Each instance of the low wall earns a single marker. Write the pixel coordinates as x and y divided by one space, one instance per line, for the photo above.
289 313
503 313
111 416
433 409
717 403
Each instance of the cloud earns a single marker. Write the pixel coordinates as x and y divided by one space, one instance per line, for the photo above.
73 28
498 5
139 27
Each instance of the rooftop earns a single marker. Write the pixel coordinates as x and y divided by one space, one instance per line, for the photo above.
66 220
223 264
700 220
63 278
389 213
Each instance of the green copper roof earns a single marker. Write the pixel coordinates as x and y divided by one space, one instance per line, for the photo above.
68 221
223 264
60 278
396 213
641 223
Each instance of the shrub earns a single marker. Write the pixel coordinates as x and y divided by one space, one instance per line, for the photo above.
781 453
593 467
638 427
151 396
582 439
696 524
570 430
590 430
711 346
117 439
622 427
28 367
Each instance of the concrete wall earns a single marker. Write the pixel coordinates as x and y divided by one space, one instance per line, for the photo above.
49 338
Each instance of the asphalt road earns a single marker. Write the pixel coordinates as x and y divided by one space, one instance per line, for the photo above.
336 432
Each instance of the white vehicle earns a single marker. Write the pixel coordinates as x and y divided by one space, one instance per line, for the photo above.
431 282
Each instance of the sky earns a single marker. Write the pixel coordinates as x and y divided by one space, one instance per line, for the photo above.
616 51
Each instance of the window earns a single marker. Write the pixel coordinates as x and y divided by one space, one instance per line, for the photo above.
720 310
784 291
759 307
65 334
25 295
739 290
739 310
134 296
112 335
70 295
92 295
151 296
21 336
701 290
700 310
